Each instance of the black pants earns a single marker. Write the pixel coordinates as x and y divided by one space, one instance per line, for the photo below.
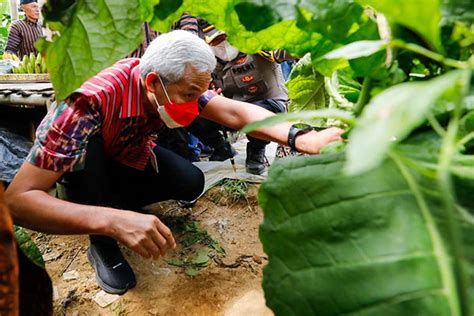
208 131
105 182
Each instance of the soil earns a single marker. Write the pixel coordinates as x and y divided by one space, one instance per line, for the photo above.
196 279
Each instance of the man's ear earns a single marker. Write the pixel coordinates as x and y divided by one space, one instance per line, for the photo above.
150 81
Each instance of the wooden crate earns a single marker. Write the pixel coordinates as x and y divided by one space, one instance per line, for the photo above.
6 78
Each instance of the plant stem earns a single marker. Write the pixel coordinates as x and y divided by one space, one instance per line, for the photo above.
440 251
430 54
435 124
465 139
364 96
448 150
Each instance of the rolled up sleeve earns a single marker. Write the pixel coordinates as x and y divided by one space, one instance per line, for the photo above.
63 135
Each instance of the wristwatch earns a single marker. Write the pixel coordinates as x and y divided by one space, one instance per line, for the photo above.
295 131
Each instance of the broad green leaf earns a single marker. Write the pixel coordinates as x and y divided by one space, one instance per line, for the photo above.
332 19
422 16
201 258
373 66
175 262
59 14
148 8
100 33
166 7
28 246
391 116
372 244
343 116
283 35
306 87
191 272
256 16
333 147
357 50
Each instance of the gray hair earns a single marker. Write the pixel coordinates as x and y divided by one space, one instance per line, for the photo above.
169 54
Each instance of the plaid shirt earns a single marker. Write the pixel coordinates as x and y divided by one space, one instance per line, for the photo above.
111 104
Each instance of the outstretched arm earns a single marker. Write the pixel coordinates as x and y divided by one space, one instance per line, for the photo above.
237 114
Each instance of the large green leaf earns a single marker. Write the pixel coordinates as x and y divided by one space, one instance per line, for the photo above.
357 50
392 115
100 33
372 244
221 13
306 87
422 16
331 18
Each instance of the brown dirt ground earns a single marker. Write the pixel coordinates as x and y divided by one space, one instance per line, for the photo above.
230 284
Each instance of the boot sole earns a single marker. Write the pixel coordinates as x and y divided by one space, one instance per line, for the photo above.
104 286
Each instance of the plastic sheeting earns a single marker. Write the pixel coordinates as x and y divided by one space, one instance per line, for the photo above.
13 151
216 171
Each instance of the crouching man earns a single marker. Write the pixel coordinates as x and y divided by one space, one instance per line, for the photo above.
99 144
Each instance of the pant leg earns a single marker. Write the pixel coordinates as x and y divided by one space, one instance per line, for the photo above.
176 179
93 185
272 105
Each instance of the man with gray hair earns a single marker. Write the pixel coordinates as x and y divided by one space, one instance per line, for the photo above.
99 143
23 34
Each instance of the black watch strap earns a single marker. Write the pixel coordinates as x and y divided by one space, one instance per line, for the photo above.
295 132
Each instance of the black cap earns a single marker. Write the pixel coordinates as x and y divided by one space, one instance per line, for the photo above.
27 1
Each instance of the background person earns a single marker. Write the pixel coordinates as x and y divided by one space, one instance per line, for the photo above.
23 34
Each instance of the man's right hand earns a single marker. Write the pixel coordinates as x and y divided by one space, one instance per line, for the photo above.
144 234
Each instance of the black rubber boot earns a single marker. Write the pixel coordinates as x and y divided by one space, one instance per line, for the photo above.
223 152
112 271
256 160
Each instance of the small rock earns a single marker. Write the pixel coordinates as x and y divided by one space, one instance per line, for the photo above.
105 299
53 255
55 293
161 271
71 275
257 259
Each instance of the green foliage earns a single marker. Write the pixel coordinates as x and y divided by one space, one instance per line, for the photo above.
236 189
197 246
381 123
5 20
96 34
424 19
28 246
357 50
306 88
375 244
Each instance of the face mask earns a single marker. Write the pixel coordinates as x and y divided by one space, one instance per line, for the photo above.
176 115
225 51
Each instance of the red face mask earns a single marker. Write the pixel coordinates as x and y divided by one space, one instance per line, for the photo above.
177 114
